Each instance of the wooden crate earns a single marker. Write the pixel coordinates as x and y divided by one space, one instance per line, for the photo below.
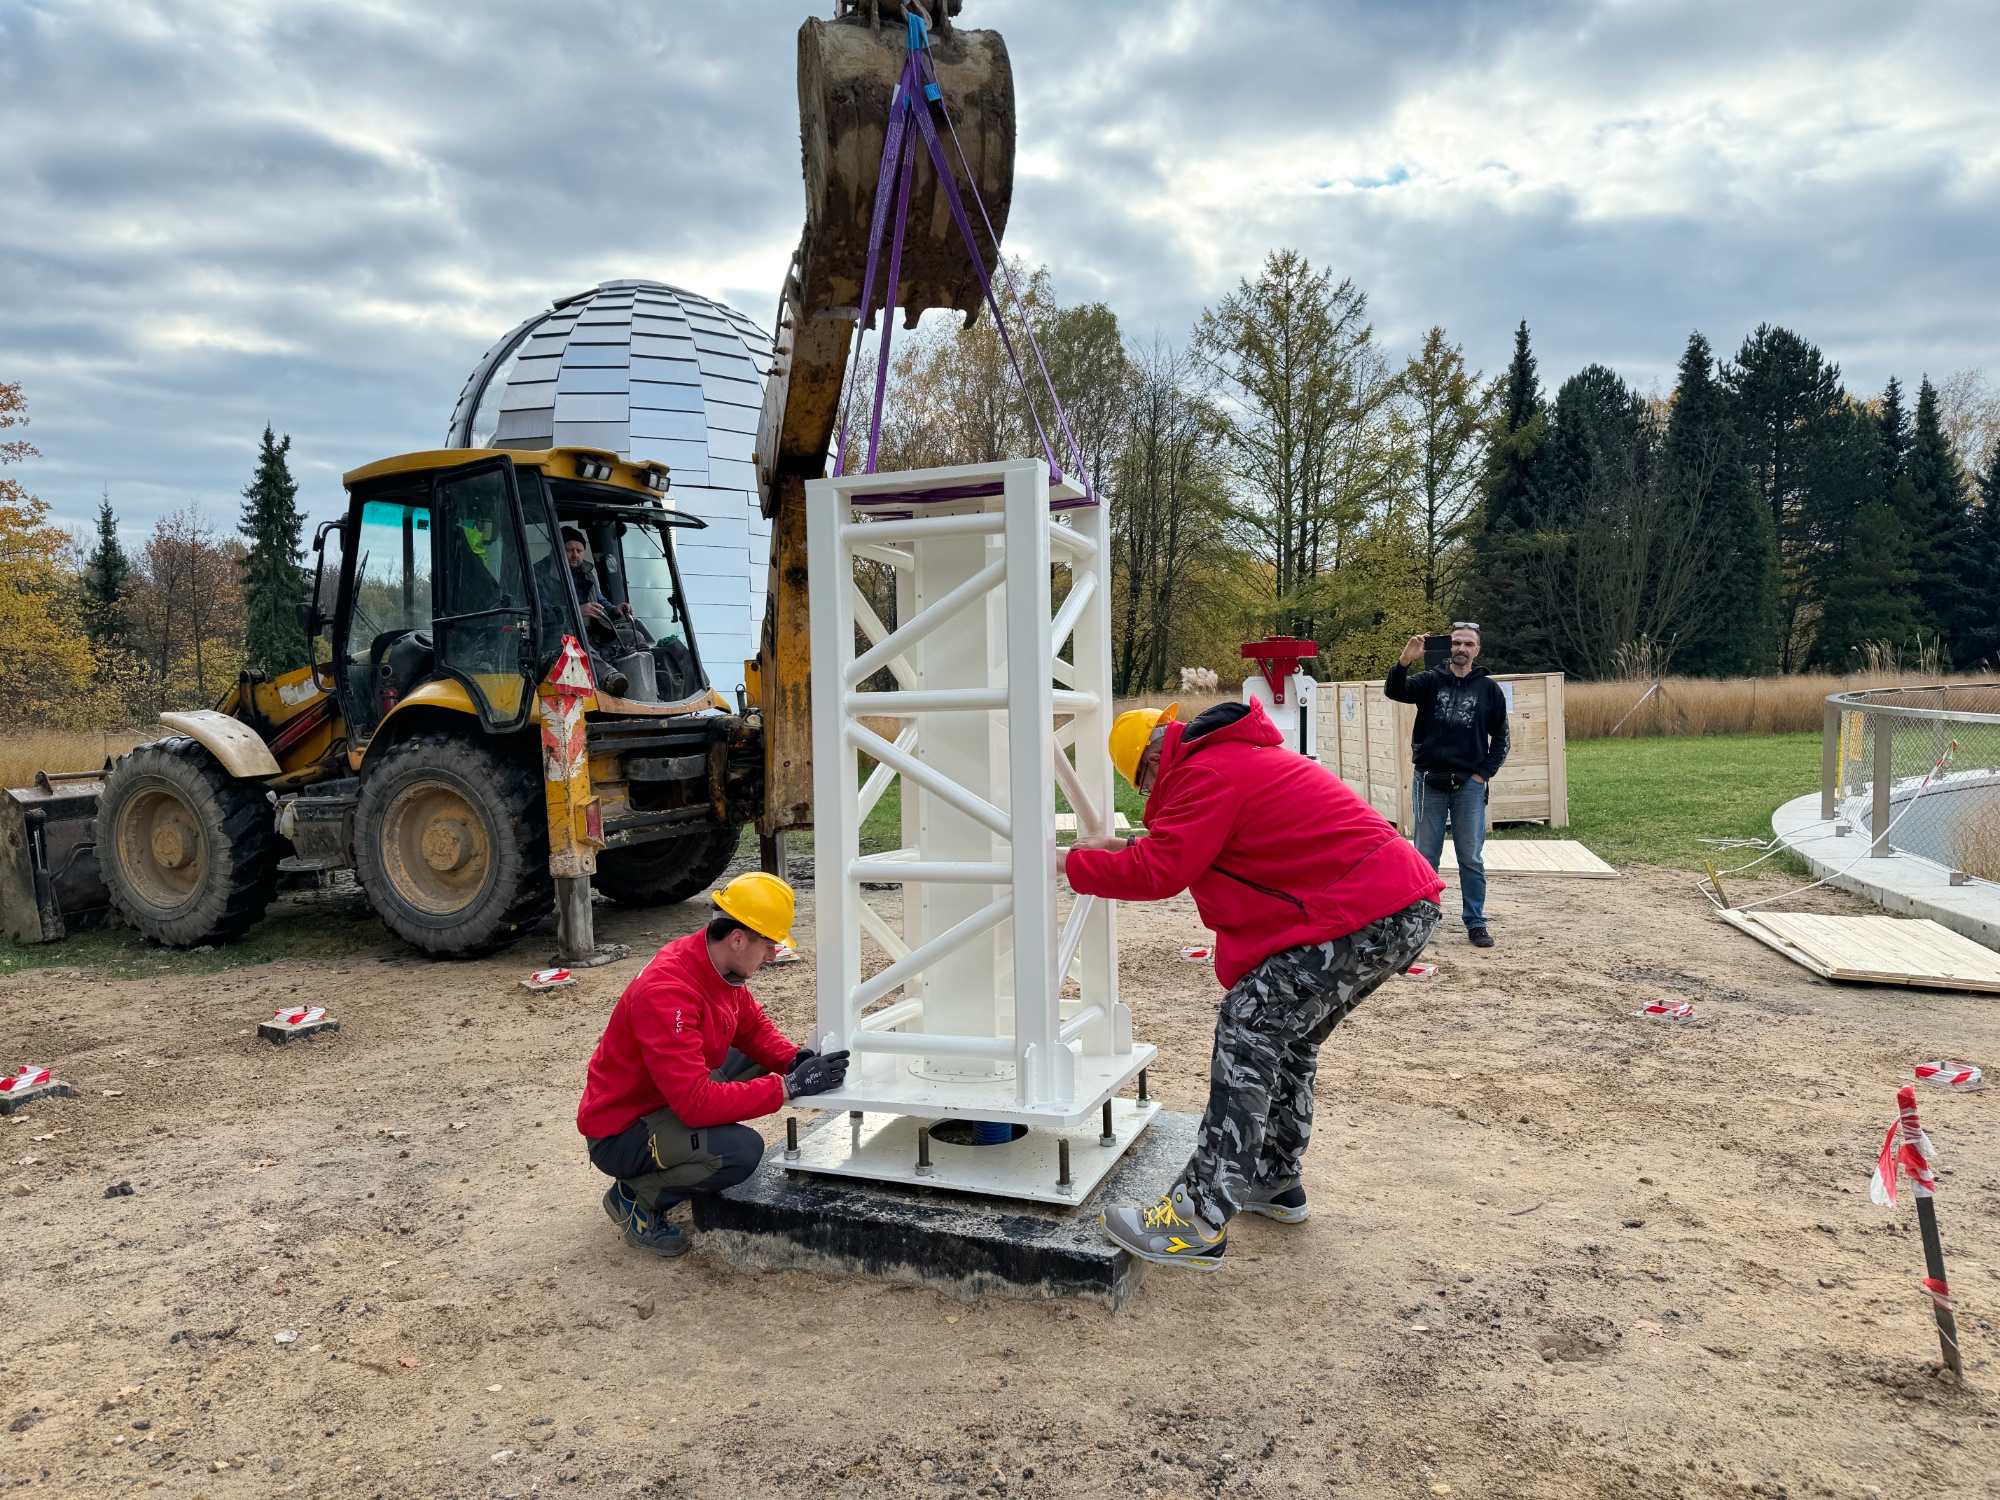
1368 747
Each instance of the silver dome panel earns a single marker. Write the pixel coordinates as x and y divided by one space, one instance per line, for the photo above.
653 372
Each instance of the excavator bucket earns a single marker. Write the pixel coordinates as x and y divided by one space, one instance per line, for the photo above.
847 71
848 68
49 881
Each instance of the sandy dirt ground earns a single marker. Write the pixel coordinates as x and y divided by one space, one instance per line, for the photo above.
1555 1250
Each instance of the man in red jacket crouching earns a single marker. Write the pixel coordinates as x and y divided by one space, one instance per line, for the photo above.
1314 899
685 1058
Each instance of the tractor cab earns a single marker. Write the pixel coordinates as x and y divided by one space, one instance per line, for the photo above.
475 572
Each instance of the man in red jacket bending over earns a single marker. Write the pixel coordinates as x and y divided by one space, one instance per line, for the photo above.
686 1057
1314 900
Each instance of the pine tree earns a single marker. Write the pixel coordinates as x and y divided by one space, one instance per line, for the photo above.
1520 423
1895 425
274 580
107 575
1494 593
1703 465
1977 640
1937 518
1781 390
1871 597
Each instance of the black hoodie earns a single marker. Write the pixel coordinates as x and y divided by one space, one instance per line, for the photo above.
1461 721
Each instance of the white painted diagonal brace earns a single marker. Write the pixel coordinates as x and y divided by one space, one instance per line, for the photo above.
911 964
1072 607
879 778
872 627
971 804
1072 935
1091 823
906 635
884 935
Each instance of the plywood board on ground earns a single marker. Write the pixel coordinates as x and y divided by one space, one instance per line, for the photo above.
1564 857
1875 950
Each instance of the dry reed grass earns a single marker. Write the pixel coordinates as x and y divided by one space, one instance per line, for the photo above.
1709 705
1191 703
1976 841
22 755
1683 706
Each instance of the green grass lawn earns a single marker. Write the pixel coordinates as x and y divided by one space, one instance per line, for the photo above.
1648 801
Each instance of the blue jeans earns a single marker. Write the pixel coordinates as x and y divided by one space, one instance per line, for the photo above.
1466 808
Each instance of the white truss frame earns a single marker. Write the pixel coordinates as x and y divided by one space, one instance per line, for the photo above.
967 1017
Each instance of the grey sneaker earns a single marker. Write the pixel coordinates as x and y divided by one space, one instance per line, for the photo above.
1284 1201
1169 1233
643 1231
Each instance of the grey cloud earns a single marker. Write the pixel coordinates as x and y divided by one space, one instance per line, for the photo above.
319 215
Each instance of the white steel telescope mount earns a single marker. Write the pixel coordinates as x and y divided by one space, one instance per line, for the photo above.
968 1021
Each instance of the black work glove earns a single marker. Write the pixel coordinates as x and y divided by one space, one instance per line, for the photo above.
816 1075
800 1056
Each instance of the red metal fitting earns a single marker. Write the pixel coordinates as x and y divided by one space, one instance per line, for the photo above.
1277 658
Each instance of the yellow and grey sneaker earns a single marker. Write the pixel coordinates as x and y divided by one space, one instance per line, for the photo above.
1170 1233
1284 1201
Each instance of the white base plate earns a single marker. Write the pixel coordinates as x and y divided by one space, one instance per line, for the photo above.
888 1082
883 1148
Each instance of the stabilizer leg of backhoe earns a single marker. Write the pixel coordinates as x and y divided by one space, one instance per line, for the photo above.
576 931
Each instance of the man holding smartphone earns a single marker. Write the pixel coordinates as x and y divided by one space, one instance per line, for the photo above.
1456 749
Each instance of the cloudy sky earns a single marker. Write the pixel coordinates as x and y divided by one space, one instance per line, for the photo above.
219 213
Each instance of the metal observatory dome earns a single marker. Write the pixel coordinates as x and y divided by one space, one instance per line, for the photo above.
650 371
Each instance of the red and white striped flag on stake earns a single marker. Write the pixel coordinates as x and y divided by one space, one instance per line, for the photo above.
1908 1150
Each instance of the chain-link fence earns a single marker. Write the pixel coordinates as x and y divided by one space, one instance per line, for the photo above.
1917 769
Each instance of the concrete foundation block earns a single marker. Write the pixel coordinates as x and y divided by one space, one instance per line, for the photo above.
962 1245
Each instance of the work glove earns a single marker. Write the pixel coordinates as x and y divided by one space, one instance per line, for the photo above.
816 1075
800 1056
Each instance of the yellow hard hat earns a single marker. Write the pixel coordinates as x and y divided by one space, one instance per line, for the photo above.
761 902
1130 733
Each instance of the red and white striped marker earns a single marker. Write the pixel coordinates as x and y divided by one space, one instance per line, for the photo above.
26 1084
26 1077
1960 1077
297 1021
548 979
1666 1010
1194 953
1908 1150
1421 971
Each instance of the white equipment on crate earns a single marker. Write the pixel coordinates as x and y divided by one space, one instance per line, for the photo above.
1289 696
967 1022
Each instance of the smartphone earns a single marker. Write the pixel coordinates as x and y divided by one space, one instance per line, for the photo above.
1437 652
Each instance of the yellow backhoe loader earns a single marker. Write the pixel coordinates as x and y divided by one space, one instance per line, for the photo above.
458 743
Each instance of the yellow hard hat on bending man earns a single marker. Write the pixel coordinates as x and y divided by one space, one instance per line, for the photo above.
761 902
1132 732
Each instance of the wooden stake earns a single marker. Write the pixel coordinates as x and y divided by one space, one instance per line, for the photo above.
1716 881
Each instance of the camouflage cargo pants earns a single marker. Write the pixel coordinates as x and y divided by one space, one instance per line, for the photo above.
1267 1040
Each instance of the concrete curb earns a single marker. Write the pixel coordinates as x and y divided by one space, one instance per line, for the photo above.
1903 882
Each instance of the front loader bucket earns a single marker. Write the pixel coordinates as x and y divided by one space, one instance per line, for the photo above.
50 885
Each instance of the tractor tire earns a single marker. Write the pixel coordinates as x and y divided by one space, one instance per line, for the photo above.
669 871
451 845
189 853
